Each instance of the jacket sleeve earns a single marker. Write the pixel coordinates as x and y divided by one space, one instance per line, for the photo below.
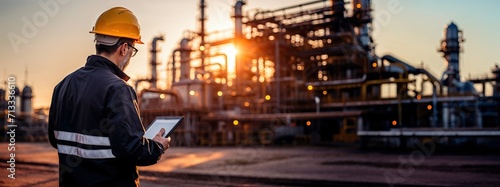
52 119
126 130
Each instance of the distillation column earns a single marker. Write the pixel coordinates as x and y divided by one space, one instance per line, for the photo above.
450 47
185 60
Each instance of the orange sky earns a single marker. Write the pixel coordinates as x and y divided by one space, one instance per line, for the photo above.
60 42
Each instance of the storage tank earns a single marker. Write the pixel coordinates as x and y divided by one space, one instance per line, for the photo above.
26 102
17 96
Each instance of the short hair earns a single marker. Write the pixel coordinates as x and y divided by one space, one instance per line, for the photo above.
100 48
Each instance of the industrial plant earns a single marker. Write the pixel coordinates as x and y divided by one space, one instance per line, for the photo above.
309 74
32 123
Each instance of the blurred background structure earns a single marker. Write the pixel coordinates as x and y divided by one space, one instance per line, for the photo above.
308 74
32 123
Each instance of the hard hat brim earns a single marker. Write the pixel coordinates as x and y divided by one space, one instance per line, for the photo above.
110 38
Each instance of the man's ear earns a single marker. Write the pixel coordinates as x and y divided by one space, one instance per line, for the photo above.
123 49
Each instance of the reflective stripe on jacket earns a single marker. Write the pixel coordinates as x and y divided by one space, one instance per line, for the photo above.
95 125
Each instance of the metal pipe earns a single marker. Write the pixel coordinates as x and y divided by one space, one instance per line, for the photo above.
238 19
154 50
479 120
289 7
278 70
445 115
317 101
203 72
173 65
214 55
238 32
202 30
176 95
339 82
453 117
225 63
202 44
138 81
400 107
434 106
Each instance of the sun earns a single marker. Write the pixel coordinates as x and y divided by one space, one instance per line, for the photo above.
231 51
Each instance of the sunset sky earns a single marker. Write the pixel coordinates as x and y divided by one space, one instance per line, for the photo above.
60 42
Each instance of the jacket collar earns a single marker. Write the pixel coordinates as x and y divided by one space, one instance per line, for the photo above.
99 61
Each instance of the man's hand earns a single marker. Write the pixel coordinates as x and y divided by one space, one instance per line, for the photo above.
164 141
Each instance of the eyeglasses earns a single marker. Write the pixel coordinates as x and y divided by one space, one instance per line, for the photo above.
135 50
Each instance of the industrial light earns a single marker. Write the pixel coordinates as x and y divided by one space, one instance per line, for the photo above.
310 87
419 97
246 104
254 69
394 122
261 79
235 122
374 64
325 92
429 107
191 92
162 96
219 93
248 89
308 123
358 5
268 97
202 48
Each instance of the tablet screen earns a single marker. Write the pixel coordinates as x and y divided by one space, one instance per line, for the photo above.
169 123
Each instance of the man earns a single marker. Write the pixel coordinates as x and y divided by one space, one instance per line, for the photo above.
94 119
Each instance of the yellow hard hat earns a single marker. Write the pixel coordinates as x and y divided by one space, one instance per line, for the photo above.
118 22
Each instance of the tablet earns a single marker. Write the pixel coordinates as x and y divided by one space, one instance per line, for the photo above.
167 122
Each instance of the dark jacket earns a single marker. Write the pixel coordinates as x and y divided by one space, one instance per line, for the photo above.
95 125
